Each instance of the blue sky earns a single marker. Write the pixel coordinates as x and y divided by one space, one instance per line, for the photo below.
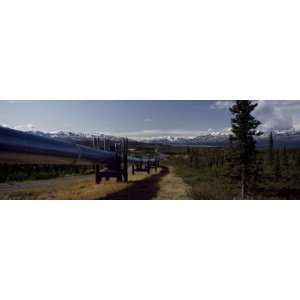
139 119
124 117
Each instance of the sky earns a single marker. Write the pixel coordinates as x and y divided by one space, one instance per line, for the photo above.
141 119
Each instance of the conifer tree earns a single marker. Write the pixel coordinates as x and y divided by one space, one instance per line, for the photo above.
188 150
285 158
298 161
244 129
271 148
277 167
196 160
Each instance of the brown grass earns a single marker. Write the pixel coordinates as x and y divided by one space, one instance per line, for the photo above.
160 185
87 189
172 187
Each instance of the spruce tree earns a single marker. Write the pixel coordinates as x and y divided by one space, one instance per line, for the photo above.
188 150
298 161
196 160
277 167
244 129
271 148
285 158
297 167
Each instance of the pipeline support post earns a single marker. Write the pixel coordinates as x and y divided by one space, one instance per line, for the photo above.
148 167
97 174
119 169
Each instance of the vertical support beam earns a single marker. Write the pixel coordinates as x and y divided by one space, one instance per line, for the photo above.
97 167
97 174
148 167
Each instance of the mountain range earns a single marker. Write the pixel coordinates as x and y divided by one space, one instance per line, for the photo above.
288 138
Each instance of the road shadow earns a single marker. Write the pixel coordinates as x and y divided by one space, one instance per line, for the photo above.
146 189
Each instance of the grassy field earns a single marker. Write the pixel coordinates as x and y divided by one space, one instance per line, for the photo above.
73 187
211 181
203 183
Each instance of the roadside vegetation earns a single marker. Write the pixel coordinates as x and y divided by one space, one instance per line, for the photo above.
209 174
10 173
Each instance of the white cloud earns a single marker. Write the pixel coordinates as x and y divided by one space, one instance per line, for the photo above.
19 101
159 133
275 116
297 127
26 127
155 133
148 120
222 104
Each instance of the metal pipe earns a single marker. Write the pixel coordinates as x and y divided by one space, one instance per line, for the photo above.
25 148
133 159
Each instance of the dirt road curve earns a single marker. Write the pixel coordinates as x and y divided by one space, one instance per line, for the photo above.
161 185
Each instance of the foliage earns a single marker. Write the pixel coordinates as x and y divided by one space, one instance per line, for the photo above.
271 148
32 172
206 172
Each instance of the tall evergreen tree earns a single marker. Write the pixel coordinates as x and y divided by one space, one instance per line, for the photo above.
244 129
188 150
271 148
277 166
285 158
298 161
196 160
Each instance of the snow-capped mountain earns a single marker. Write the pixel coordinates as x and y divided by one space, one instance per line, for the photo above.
86 139
288 138
70 135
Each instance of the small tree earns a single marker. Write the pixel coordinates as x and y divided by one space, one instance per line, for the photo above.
298 161
285 158
244 127
277 167
188 150
196 162
271 148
